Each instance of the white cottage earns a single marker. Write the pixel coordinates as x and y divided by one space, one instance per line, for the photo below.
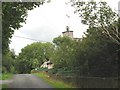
47 64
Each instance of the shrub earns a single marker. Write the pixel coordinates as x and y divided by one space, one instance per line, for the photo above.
34 71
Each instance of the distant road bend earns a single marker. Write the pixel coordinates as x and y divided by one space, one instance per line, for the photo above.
27 81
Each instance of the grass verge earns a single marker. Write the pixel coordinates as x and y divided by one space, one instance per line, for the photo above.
6 76
53 82
4 87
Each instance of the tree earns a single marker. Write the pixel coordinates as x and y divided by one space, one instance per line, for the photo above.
35 63
97 55
99 15
33 55
8 62
64 54
13 14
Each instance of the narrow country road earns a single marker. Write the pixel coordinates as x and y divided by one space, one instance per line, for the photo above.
27 81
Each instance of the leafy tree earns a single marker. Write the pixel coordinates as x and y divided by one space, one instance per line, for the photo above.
35 63
13 14
97 55
8 62
64 54
99 15
101 39
33 55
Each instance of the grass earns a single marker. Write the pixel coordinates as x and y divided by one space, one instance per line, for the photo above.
4 87
6 76
53 82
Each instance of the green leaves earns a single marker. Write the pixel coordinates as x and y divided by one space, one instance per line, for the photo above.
98 15
34 55
64 55
95 52
13 14
8 62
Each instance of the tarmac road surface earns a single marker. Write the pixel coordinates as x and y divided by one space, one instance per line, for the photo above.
27 81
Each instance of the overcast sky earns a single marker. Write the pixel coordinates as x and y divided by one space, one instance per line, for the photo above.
49 21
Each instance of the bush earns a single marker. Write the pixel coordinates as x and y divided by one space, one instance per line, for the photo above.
43 69
34 71
6 76
52 71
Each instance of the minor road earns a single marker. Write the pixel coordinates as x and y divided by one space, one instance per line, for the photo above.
27 81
